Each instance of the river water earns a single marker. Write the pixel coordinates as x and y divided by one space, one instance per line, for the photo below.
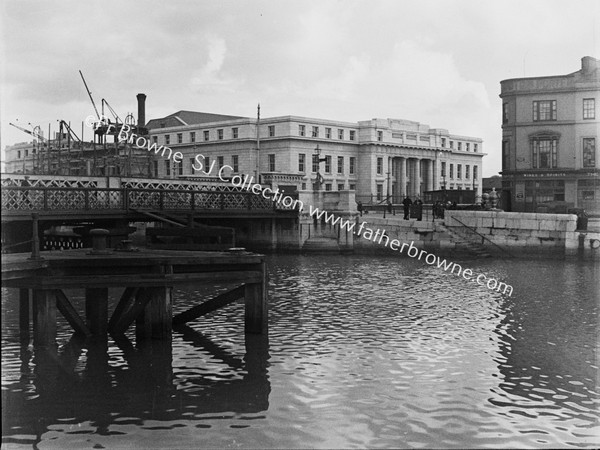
363 351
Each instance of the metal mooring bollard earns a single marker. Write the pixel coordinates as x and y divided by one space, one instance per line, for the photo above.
99 241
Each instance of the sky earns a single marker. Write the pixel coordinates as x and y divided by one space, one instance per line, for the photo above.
438 62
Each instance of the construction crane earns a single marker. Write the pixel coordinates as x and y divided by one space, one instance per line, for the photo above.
30 132
38 158
90 95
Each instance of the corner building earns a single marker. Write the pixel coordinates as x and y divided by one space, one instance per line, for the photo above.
550 128
378 158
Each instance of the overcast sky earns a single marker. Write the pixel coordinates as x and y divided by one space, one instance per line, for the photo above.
436 62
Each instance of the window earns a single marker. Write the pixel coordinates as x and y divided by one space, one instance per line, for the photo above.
340 165
459 146
167 139
220 134
352 165
328 164
443 142
155 139
235 163
206 163
589 152
475 147
352 187
475 169
505 155
18 154
192 136
271 130
379 192
302 130
467 171
468 147
192 163
352 135
271 163
459 171
315 131
451 144
328 186
443 169
234 133
179 138
589 108
26 153
303 186
544 152
315 163
206 135
220 161
451 171
328 133
544 110
379 166
340 186
504 112
380 135
301 162
179 167
155 167
168 167
340 134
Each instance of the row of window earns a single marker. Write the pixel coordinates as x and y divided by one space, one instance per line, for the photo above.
544 110
544 153
234 134
459 171
315 132
459 145
328 164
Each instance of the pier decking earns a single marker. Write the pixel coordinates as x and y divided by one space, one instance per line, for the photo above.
147 278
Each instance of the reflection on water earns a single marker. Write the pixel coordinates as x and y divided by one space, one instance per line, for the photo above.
362 352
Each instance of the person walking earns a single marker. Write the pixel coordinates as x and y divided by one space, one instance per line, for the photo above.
406 203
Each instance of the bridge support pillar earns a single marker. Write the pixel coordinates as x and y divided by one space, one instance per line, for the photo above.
44 317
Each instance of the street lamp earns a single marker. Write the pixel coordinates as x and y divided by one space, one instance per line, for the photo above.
319 179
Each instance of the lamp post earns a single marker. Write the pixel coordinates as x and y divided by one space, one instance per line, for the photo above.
319 179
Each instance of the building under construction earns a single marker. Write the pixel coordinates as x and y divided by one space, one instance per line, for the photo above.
66 153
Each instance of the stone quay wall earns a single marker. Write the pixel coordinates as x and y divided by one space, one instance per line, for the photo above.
526 234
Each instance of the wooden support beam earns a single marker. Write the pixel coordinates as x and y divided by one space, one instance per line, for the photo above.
96 311
209 306
70 313
24 307
125 303
44 318
126 318
199 340
256 305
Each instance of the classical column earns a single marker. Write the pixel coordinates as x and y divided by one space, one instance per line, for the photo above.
430 175
416 178
402 177
436 174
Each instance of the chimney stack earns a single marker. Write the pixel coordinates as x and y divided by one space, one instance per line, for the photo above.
141 98
589 64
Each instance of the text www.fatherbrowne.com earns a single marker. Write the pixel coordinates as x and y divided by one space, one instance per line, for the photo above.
247 183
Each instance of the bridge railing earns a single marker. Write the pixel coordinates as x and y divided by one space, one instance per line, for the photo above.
22 199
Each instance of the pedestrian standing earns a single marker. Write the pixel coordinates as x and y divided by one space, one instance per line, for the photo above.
406 203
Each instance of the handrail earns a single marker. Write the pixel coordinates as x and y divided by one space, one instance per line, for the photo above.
482 236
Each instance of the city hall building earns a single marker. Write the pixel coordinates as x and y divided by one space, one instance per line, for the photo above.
380 158
550 128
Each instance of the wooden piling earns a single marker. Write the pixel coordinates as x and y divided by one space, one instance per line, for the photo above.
44 317
24 307
255 299
155 321
96 311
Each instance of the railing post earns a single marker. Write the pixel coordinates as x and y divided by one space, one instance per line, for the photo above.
161 200
248 201
125 194
86 198
45 198
193 200
222 199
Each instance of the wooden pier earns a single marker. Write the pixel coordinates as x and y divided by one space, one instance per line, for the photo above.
147 278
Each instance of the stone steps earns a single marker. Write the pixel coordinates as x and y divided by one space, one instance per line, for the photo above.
465 246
